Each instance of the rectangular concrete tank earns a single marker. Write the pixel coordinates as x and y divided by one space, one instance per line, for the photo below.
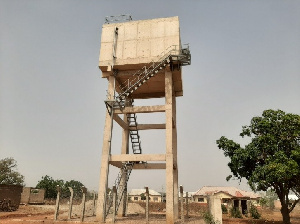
138 42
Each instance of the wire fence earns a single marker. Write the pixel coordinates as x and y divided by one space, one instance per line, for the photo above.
72 204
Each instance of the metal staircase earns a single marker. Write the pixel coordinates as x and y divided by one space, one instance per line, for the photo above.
125 172
174 56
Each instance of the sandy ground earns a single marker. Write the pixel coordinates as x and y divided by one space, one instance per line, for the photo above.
45 214
136 215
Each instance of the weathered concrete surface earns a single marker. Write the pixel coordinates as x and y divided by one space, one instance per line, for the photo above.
214 205
12 192
138 42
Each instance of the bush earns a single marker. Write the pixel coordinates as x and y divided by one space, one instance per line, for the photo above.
254 213
209 219
235 213
224 209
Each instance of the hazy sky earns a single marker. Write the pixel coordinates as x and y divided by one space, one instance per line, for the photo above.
245 59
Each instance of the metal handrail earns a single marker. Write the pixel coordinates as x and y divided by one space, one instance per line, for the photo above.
150 66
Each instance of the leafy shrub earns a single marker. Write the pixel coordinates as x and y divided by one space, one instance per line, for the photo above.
235 213
254 213
209 219
224 209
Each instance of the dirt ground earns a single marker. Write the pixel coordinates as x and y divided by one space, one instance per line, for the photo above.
136 215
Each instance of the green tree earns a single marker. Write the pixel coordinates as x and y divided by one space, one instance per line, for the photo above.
296 184
143 197
76 186
49 184
8 173
272 158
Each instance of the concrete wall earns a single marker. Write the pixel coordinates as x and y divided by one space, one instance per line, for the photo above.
12 192
37 196
138 42
25 195
32 196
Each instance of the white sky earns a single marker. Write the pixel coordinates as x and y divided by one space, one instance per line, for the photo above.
245 59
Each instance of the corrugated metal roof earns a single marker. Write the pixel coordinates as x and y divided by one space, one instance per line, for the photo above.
233 191
143 191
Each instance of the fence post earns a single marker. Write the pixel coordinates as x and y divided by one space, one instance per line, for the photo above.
181 203
187 204
94 203
71 202
57 202
114 203
84 190
147 204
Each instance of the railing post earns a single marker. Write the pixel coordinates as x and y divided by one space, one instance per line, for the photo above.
71 202
84 190
57 202
181 204
147 204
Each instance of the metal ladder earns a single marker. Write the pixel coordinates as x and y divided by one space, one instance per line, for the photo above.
134 134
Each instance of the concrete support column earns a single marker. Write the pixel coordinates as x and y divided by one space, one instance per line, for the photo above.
174 143
70 203
57 202
181 203
94 203
187 204
240 206
100 213
124 150
171 152
214 205
147 205
248 206
84 191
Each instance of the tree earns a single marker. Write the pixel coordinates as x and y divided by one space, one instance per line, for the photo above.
49 184
272 158
143 197
8 173
76 186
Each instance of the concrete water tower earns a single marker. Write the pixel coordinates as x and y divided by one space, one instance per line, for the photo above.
141 60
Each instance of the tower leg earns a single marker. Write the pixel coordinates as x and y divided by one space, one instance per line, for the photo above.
174 141
103 183
171 176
